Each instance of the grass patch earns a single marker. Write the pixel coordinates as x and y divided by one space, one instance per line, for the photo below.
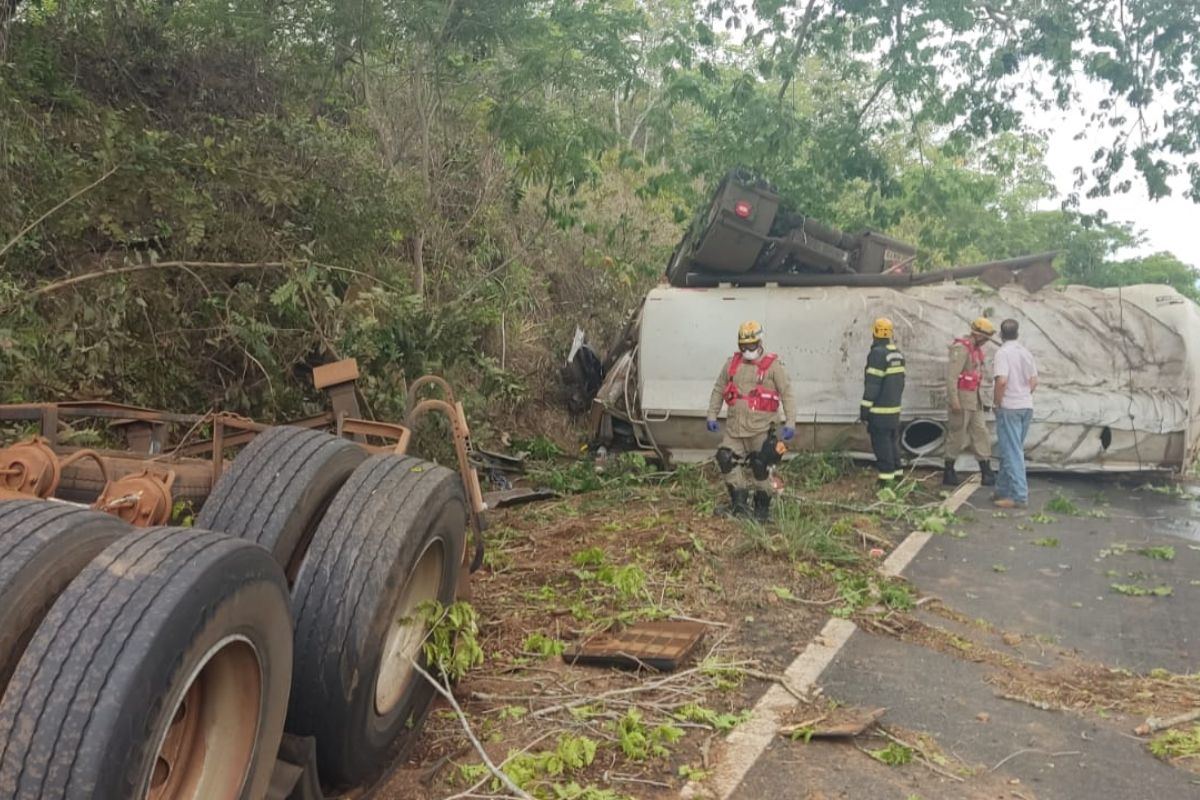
1134 590
585 475
642 742
537 644
802 531
894 755
1047 541
1061 504
810 470
1177 744
722 722
1163 553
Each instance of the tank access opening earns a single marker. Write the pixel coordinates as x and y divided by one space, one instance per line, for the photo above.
922 436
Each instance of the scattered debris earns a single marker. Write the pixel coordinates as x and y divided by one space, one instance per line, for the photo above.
842 726
517 496
662 646
1156 724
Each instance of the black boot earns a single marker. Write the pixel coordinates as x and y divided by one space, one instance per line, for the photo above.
762 506
949 476
739 502
986 476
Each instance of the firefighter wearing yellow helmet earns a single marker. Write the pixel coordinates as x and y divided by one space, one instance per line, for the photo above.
883 388
753 385
967 403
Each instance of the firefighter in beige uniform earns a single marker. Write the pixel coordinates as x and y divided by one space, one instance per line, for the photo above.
964 384
753 384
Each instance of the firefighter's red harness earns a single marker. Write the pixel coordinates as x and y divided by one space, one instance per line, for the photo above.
970 378
758 398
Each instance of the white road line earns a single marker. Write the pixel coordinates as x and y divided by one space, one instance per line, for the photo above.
903 555
742 748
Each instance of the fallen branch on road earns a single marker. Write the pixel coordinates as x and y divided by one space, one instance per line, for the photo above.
1156 724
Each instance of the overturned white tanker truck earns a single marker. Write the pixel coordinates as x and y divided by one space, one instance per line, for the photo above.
1119 368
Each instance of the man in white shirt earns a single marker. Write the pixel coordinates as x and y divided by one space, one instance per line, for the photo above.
1016 379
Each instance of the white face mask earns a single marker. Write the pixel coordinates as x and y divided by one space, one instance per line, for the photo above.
752 355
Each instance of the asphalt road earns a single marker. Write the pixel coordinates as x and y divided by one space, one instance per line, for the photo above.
1048 576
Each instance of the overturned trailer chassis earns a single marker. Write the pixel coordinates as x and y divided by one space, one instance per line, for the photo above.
1118 385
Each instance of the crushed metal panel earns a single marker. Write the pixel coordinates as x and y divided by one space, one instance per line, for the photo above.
996 276
516 497
1039 276
661 645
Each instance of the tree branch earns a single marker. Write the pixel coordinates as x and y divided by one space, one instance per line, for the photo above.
499 774
50 288
21 233
801 40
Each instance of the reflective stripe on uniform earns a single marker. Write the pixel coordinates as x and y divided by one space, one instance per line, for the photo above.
879 373
887 476
891 371
884 410
868 403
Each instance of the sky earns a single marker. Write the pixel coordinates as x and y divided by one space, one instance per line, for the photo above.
1166 223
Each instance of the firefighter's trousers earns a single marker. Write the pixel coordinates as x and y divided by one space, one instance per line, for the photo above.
885 442
967 431
740 475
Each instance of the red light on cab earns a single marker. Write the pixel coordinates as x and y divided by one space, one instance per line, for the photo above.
742 209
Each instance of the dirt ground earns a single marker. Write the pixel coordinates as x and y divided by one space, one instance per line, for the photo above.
568 569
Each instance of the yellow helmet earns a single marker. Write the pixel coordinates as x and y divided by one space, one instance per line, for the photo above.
749 333
984 325
882 329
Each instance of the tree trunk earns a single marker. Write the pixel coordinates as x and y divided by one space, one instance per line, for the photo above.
8 10
418 259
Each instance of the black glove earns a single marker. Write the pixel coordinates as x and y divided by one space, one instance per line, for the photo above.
864 414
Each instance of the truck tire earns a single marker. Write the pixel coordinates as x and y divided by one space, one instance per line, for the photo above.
393 539
162 672
276 490
43 546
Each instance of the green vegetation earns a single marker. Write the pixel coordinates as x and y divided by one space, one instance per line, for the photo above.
1161 553
859 590
642 742
541 645
1134 590
451 646
802 530
207 198
546 773
1061 504
585 475
721 722
690 773
1048 541
1177 744
894 755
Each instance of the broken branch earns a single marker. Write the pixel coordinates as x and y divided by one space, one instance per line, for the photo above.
91 276
1156 724
21 233
498 773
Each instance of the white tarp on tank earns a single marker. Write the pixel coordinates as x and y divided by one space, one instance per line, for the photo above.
1118 368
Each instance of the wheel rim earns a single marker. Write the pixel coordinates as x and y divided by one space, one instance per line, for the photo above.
206 750
407 631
